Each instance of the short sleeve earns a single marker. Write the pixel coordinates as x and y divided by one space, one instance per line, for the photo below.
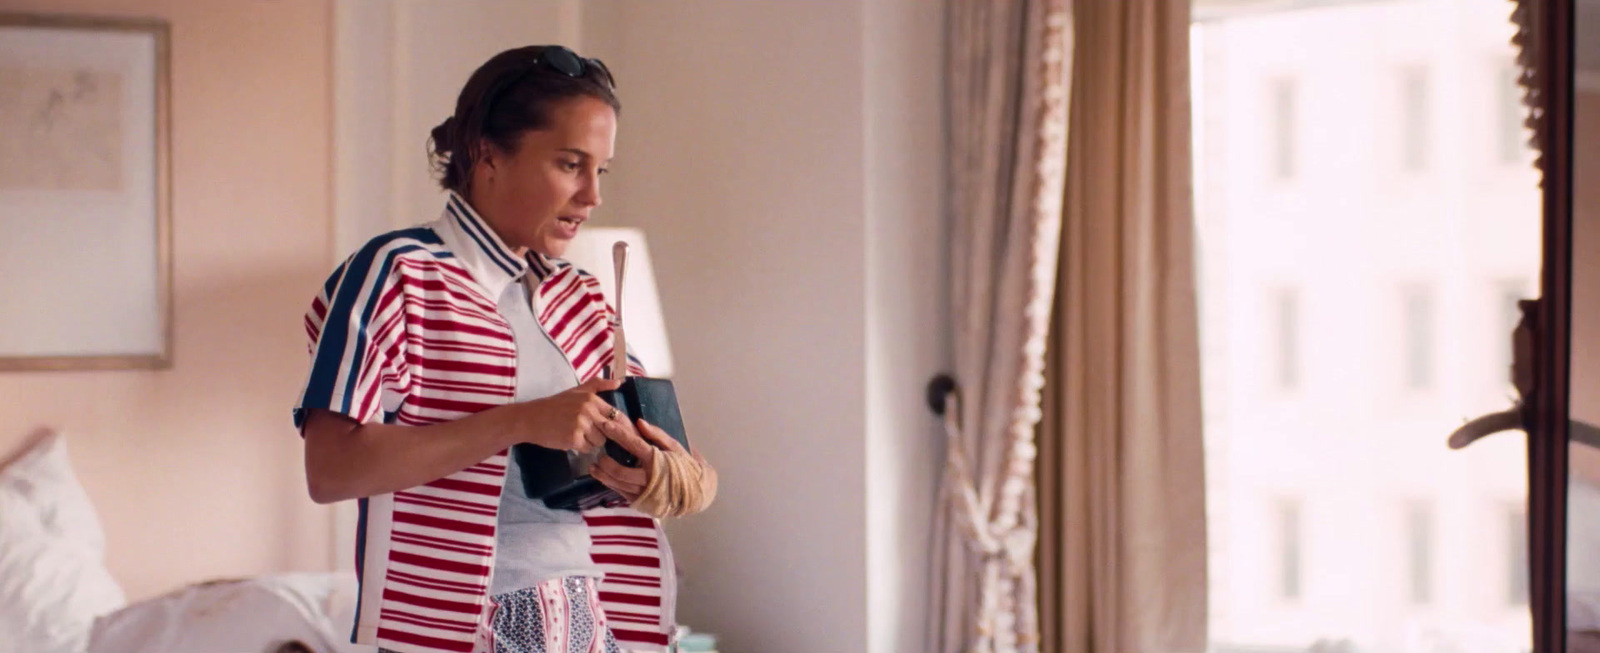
356 333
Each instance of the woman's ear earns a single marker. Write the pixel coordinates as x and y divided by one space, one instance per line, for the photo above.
488 156
487 160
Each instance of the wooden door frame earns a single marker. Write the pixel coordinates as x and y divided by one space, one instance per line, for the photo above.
1550 404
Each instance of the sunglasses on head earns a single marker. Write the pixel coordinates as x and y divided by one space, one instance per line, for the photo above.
567 62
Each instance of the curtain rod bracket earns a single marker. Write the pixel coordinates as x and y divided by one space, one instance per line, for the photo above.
940 387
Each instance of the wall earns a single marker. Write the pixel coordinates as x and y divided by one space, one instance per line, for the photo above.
196 470
907 304
784 158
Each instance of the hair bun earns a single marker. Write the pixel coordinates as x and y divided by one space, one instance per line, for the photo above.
444 136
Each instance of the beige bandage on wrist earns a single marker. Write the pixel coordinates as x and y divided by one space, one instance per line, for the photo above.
679 485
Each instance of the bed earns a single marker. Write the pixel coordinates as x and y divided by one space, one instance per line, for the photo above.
56 595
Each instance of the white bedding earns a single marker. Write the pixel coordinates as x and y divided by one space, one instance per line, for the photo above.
56 595
254 615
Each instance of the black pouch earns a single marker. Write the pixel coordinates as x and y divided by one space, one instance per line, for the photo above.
561 478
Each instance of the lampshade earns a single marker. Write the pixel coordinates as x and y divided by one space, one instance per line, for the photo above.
641 307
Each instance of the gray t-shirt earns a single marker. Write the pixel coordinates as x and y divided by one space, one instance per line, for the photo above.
533 543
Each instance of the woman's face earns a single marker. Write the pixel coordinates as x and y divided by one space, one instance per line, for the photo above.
537 196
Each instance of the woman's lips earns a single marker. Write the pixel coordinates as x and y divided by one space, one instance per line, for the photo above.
568 226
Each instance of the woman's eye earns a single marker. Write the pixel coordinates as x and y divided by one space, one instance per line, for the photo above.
605 171
569 166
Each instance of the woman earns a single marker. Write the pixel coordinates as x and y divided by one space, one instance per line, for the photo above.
437 348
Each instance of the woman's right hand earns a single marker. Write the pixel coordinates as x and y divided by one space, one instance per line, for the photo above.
570 421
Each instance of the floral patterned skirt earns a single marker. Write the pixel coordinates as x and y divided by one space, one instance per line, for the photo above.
560 615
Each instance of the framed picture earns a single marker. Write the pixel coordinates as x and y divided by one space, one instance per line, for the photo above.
85 194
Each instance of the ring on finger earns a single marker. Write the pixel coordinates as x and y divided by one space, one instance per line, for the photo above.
611 414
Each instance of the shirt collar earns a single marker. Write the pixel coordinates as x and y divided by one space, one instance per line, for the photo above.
491 262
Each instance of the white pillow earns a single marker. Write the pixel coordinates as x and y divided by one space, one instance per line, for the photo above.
50 593
42 476
53 579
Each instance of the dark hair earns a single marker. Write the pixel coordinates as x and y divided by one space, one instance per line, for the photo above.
509 94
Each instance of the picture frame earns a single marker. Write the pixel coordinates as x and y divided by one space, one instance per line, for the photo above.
85 193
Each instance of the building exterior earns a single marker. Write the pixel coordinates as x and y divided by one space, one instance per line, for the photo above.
1367 214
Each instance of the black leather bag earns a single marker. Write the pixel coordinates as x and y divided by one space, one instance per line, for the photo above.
561 478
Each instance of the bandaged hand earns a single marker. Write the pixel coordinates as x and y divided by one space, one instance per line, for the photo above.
669 481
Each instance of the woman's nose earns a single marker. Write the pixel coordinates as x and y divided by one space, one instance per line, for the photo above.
589 195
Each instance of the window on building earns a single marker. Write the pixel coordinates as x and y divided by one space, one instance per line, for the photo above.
1285 315
1414 123
1417 313
1282 99
1419 551
1290 553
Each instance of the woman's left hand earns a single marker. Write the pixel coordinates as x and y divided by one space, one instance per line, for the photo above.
642 442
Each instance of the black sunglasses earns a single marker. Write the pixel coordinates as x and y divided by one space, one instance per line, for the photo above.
567 62
555 58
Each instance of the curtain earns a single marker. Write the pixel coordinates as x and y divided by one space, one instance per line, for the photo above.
1121 469
1006 107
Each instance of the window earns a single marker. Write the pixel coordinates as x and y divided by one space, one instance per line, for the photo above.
1419 551
1417 314
1281 97
1285 309
1513 137
1335 280
1289 550
1414 123
1517 562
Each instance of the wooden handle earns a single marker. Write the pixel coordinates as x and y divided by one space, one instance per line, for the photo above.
619 258
619 342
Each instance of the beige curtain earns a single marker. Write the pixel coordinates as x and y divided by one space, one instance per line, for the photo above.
1121 471
1007 120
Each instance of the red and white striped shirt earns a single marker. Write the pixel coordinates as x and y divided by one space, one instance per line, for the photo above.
407 331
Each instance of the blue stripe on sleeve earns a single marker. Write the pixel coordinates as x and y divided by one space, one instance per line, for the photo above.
344 288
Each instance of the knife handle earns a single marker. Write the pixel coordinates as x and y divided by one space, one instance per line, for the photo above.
619 353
